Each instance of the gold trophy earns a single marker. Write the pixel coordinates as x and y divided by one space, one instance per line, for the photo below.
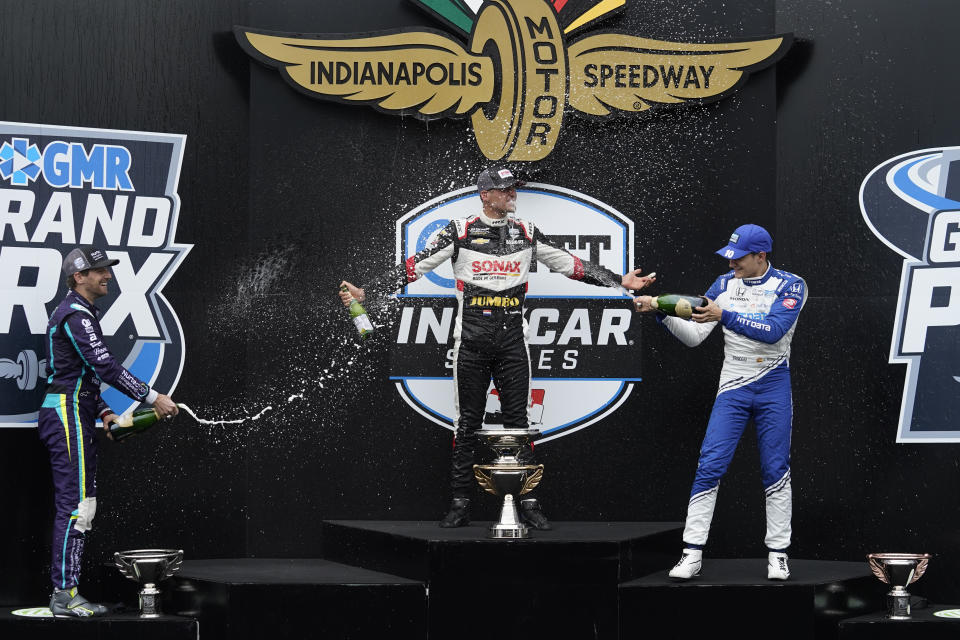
507 477
898 570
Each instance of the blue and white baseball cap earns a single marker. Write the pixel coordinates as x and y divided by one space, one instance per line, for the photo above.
747 238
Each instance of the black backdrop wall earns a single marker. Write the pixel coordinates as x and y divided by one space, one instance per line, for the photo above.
283 196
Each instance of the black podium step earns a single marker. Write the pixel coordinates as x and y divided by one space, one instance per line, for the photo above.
608 552
290 598
119 626
929 622
561 582
734 596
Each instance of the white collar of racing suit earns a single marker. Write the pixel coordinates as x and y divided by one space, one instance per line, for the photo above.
493 222
752 282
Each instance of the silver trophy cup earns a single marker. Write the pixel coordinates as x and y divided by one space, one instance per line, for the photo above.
507 477
899 570
149 567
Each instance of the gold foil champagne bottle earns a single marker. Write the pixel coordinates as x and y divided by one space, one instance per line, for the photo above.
132 423
675 304
359 316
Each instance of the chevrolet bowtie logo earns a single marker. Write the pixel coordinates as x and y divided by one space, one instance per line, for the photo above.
517 73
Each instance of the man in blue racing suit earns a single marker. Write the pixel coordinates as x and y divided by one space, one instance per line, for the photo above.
492 254
758 306
78 361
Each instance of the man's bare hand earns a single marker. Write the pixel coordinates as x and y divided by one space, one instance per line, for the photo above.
643 304
107 419
352 292
634 281
165 406
709 313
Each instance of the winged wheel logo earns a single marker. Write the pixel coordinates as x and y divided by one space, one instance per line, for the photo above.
515 74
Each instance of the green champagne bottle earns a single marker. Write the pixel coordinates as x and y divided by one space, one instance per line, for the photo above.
132 423
360 317
675 304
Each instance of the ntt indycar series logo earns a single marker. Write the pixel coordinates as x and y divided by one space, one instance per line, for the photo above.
584 348
912 203
117 190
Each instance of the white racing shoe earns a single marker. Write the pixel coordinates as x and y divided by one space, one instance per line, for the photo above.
777 567
689 565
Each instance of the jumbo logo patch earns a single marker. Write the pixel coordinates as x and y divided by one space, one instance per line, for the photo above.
912 204
66 186
517 73
584 346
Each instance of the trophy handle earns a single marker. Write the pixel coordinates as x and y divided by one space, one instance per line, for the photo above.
877 570
533 480
921 568
174 566
484 480
125 566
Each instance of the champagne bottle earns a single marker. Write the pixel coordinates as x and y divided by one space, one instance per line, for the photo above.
359 315
132 423
675 304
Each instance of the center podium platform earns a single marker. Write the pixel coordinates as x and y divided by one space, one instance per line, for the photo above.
560 583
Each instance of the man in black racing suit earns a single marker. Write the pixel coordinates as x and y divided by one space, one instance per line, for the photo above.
491 255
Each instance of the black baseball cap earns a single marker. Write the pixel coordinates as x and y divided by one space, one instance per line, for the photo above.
83 258
497 178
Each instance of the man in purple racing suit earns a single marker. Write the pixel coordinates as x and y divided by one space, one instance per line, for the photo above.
77 361
491 255
758 306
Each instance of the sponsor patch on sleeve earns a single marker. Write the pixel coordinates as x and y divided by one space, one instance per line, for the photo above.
790 303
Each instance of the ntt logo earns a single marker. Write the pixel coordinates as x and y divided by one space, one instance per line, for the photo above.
66 165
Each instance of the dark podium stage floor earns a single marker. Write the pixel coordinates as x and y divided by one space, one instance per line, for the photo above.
412 579
476 531
284 571
115 626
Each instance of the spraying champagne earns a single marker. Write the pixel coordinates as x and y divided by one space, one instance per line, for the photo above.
359 316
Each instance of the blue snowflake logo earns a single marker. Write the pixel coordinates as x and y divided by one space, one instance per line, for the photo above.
19 162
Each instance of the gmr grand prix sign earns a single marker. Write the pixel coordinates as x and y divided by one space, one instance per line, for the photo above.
584 347
65 186
517 74
912 204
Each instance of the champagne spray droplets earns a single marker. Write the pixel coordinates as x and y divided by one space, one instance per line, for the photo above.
240 421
